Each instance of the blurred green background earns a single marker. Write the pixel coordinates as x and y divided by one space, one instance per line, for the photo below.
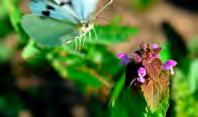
60 82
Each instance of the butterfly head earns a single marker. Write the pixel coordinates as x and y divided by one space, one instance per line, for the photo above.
86 27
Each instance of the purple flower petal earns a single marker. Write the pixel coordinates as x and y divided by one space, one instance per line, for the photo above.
141 72
169 65
125 59
141 80
155 46
156 56
136 57
120 55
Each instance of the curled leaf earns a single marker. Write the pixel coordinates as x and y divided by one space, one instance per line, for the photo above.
157 85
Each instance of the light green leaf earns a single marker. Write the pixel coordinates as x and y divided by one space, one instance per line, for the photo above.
15 18
165 53
193 76
130 103
111 33
30 50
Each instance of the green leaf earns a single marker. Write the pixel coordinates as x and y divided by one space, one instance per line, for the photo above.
86 76
30 50
165 53
15 18
186 104
162 107
193 76
117 90
177 47
101 59
129 104
5 52
78 68
193 46
141 5
112 33
4 20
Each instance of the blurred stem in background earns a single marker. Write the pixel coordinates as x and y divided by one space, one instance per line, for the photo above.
15 18
142 5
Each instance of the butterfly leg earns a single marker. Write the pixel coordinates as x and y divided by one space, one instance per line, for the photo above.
95 33
84 38
80 42
90 35
76 42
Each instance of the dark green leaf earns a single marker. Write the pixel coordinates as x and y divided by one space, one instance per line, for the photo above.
117 91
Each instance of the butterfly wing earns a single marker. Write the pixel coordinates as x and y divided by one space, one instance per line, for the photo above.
52 9
49 31
84 8
72 10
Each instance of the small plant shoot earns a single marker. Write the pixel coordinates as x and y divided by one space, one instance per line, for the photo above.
147 72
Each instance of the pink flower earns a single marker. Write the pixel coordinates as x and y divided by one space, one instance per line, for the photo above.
141 72
141 75
136 57
156 49
155 46
125 59
169 66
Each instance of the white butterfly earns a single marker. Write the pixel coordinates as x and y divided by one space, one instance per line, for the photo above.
54 22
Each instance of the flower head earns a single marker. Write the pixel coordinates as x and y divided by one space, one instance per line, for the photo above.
169 65
136 57
141 75
144 65
125 59
156 50
140 79
141 72
155 46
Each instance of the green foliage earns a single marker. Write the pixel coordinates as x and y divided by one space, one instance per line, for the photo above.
184 85
5 53
113 33
193 46
10 105
165 53
162 107
129 103
96 67
193 76
4 20
118 87
92 66
177 47
186 103
15 18
142 4
30 50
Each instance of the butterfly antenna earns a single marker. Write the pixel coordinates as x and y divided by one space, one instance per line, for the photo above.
103 18
103 8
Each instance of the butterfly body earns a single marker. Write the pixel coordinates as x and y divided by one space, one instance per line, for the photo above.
56 22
